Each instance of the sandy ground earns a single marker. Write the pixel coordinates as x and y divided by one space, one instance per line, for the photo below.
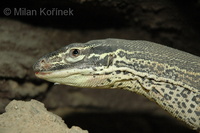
32 117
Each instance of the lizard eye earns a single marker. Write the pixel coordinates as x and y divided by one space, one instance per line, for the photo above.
74 52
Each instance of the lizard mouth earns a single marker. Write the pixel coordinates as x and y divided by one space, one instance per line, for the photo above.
42 73
60 73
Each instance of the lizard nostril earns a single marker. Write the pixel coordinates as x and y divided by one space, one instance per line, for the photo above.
44 64
42 61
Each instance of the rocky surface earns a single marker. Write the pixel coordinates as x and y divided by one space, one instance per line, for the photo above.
32 117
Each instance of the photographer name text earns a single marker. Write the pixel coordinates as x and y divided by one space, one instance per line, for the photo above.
38 12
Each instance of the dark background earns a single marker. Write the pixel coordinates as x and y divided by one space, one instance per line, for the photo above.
24 39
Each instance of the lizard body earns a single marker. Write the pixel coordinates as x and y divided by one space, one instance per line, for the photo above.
165 75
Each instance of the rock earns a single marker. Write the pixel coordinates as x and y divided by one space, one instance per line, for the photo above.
32 117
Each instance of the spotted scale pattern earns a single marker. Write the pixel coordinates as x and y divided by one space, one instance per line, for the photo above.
165 75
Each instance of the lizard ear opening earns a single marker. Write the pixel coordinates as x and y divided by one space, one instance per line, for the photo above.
110 59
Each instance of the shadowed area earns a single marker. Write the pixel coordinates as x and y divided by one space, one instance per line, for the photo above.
125 123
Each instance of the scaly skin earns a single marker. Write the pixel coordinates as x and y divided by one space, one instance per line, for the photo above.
165 75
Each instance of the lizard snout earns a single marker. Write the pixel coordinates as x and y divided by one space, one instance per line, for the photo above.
42 65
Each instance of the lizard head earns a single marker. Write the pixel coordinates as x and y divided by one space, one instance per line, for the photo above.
77 64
